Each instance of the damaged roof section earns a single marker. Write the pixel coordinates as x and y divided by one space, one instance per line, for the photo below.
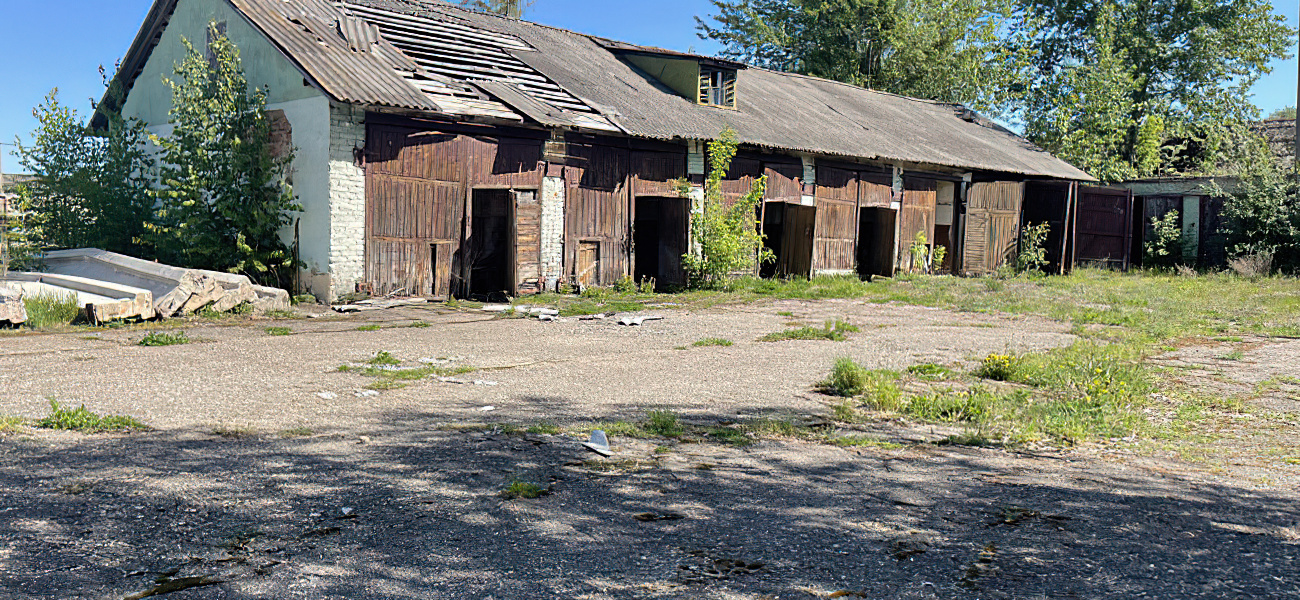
435 57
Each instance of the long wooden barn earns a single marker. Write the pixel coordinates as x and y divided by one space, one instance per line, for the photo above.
443 152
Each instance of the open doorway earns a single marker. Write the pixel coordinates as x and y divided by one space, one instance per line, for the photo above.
660 237
788 232
875 242
491 245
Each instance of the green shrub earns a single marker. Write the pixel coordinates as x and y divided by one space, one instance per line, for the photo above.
847 379
51 309
81 419
1033 249
728 239
161 338
1164 246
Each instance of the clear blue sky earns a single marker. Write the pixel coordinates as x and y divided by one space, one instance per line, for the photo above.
61 43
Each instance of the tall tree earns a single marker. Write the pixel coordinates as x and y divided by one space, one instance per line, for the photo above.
946 50
1176 70
90 188
225 196
511 8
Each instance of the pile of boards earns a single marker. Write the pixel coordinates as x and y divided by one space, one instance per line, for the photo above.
114 286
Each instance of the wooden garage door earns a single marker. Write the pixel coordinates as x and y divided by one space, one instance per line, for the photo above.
992 226
834 244
415 207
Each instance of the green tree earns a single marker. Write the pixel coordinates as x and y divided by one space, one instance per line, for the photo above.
91 189
511 8
1151 84
224 196
943 50
1283 113
727 237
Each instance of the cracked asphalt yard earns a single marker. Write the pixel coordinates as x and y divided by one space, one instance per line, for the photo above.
270 472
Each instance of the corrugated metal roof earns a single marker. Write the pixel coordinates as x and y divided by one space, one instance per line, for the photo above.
433 56
774 109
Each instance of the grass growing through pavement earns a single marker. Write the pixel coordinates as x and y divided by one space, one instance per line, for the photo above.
713 341
391 375
11 424
51 309
83 420
832 330
163 338
369 328
523 489
277 331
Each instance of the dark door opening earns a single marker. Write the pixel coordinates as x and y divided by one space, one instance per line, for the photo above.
875 242
491 245
660 238
773 226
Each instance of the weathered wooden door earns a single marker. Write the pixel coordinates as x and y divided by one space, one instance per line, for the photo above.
992 226
1105 226
598 212
920 197
835 239
797 240
415 206
528 242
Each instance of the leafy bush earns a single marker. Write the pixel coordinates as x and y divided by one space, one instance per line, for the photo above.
81 419
225 194
1033 249
1262 217
1164 248
160 338
729 238
51 309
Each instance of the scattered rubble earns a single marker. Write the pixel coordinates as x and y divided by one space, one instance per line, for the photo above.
379 304
12 309
637 321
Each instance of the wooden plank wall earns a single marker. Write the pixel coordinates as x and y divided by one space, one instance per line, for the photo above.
528 243
992 225
597 205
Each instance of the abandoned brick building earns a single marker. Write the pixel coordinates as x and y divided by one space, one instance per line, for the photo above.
441 152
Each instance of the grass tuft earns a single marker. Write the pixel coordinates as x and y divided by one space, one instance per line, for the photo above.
847 379
163 338
83 420
51 309
832 330
369 328
706 342
523 489
277 331
663 423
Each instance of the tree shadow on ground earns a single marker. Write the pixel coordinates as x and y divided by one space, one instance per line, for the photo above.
415 512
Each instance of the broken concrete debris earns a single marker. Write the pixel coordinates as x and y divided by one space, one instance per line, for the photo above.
379 304
113 286
327 396
12 308
637 321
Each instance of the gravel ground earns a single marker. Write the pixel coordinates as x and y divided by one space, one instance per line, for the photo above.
240 376
398 495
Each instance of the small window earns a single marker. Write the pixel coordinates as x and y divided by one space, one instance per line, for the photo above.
717 87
